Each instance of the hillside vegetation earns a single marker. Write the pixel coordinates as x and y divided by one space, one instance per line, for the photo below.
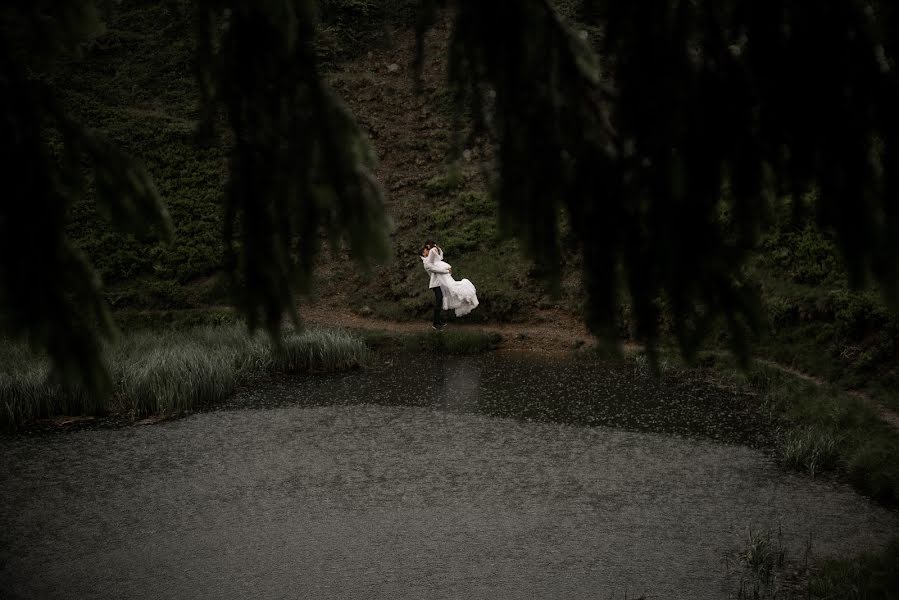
136 83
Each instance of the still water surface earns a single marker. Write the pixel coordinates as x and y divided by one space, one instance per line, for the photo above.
576 391
410 480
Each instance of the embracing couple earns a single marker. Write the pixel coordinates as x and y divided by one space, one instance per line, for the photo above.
449 294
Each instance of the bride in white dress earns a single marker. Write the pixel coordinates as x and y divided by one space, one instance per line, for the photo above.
459 296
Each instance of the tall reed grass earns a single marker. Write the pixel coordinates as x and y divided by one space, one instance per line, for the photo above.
170 372
762 561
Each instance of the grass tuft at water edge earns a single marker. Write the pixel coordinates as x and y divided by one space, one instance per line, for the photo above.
170 372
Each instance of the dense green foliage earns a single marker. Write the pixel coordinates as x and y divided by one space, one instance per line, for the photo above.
816 322
136 85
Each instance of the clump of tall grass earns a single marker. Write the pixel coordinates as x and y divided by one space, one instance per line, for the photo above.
30 393
170 372
766 572
175 379
318 350
764 555
811 449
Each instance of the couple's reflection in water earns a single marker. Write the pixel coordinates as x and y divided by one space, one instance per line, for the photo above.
459 385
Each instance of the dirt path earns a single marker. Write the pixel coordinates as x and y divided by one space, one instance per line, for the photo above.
551 332
886 414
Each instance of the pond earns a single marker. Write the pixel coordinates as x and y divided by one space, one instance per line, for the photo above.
470 477
578 391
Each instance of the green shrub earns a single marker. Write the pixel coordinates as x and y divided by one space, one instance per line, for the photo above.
872 467
804 255
443 184
470 234
872 576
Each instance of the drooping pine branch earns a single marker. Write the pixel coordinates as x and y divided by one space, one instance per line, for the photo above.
49 294
668 160
300 167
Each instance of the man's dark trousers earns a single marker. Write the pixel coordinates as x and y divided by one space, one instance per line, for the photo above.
438 306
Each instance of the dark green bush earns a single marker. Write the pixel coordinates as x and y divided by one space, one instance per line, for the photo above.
441 185
872 576
804 255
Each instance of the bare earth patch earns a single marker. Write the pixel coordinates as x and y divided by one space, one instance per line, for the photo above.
550 332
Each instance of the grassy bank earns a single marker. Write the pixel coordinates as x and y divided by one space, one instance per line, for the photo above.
163 372
820 428
824 429
454 342
767 571
172 362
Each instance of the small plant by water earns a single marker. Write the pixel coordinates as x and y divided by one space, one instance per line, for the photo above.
762 560
767 571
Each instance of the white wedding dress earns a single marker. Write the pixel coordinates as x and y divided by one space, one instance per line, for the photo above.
459 296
